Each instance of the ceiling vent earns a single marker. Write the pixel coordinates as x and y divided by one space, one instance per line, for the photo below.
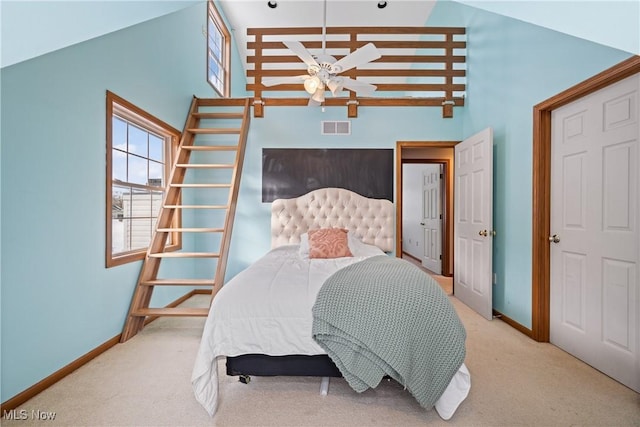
336 128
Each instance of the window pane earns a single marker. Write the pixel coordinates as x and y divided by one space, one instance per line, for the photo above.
119 165
213 66
141 204
217 36
140 232
119 133
156 202
215 44
155 174
120 213
125 195
118 195
134 214
156 151
137 170
137 141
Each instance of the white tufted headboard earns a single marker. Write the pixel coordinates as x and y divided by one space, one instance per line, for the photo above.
370 219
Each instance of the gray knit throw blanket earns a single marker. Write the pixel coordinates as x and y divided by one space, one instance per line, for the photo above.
385 316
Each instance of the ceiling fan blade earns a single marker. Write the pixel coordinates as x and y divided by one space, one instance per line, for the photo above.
299 49
274 81
366 53
361 88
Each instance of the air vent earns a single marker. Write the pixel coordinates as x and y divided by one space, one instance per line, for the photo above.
336 128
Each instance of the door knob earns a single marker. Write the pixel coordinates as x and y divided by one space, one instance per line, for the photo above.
554 239
483 233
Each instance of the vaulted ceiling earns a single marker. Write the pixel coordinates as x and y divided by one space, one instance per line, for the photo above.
63 23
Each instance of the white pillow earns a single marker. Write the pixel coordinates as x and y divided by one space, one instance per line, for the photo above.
304 245
359 248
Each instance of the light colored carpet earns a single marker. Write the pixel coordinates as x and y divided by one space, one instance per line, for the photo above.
446 283
515 382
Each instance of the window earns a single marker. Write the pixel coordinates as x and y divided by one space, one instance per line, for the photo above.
139 152
218 46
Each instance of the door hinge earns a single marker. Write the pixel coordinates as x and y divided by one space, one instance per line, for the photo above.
440 256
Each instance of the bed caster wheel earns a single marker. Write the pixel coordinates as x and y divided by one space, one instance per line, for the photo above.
244 379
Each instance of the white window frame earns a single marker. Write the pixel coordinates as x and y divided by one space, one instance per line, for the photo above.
136 117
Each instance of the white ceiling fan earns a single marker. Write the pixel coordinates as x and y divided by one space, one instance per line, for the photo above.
323 70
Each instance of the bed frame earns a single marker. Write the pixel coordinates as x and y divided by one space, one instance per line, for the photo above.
372 220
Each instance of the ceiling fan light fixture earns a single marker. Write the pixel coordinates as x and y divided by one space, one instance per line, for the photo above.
312 84
334 85
318 96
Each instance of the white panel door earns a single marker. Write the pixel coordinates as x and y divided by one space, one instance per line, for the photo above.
432 218
473 209
595 242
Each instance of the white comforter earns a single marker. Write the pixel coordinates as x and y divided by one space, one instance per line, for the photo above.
266 309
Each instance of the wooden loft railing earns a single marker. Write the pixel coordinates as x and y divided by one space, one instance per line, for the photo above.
420 66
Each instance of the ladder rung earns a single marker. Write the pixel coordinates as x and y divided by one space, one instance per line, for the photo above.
220 102
172 311
210 147
178 282
204 165
215 131
191 230
201 185
196 206
184 255
219 115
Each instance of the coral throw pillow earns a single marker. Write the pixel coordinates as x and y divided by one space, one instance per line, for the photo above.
329 243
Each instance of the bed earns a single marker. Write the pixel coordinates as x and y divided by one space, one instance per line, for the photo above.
279 316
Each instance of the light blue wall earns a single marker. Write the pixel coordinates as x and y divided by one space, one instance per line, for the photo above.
512 66
614 23
58 299
65 22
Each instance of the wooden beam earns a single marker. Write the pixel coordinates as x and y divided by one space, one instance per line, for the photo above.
380 44
382 87
360 30
363 102
382 72
258 107
403 59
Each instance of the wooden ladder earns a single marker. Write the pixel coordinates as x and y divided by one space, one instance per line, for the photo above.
206 178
